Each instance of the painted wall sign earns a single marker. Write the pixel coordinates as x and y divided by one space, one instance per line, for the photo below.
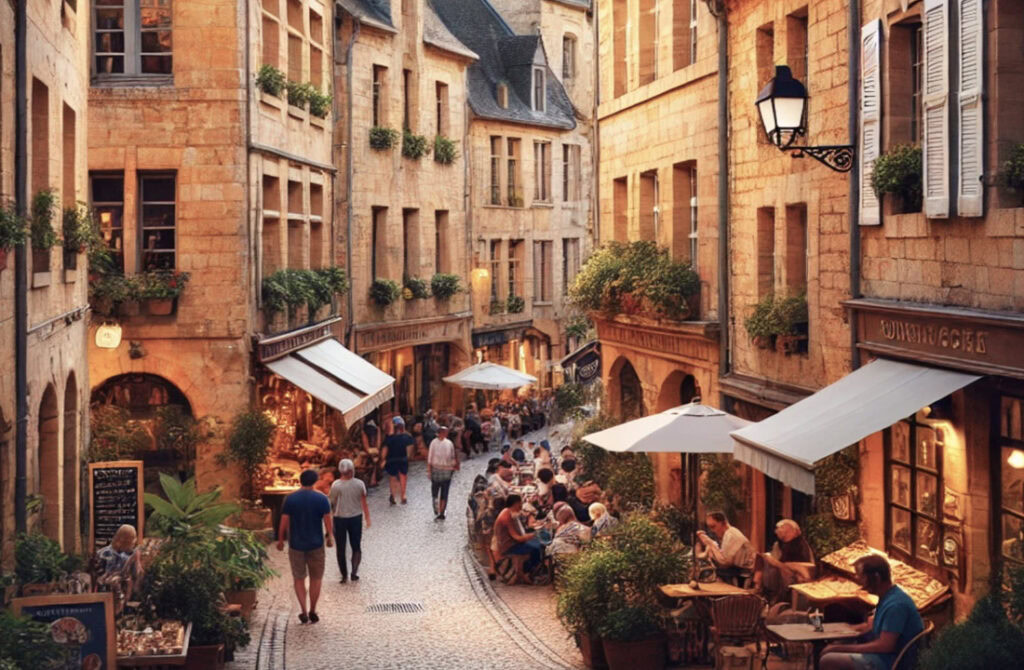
376 339
83 624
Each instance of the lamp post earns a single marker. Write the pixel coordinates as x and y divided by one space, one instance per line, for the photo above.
782 106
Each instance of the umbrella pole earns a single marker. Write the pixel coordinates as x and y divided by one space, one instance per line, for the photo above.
691 479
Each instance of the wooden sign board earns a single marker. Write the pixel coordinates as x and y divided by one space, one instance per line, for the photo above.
83 624
115 497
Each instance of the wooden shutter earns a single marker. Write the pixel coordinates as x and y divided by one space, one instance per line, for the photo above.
538 276
935 160
870 118
970 188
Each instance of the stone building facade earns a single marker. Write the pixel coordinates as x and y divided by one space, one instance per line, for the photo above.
399 68
231 181
658 179
530 150
57 376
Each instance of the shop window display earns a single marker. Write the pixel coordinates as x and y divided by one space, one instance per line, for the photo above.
1011 446
914 476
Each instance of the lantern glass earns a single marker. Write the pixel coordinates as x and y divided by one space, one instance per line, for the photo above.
767 110
789 112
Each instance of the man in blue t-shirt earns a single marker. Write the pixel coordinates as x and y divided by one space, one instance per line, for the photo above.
303 515
895 622
395 455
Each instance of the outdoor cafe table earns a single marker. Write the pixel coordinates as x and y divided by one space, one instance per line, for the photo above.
695 648
804 632
682 592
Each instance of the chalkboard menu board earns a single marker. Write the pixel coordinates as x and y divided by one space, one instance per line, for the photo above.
115 492
83 624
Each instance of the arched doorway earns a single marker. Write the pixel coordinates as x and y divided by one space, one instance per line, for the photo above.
631 393
48 474
71 469
678 389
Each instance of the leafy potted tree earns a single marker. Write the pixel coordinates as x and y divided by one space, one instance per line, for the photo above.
898 173
38 564
244 559
762 325
249 442
444 285
12 232
586 586
633 638
384 292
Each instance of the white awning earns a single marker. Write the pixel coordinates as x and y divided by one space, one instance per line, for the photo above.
337 377
786 446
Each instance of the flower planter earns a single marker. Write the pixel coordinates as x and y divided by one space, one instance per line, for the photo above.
649 654
128 308
789 344
255 518
764 341
103 306
592 651
160 306
246 599
205 657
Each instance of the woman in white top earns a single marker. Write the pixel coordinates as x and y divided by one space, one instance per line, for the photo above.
348 506
442 462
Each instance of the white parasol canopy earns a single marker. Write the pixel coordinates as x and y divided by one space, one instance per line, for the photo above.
688 429
490 377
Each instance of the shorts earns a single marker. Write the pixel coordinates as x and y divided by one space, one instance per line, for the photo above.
393 468
865 661
301 560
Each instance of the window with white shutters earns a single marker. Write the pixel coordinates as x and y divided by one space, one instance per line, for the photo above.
935 161
970 200
870 119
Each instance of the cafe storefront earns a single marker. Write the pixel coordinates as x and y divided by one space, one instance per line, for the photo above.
936 411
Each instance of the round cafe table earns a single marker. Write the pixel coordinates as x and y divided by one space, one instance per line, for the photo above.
805 632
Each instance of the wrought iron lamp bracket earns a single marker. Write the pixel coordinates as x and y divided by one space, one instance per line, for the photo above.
838 157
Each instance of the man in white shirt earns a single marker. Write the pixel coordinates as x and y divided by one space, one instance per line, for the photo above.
442 462
734 554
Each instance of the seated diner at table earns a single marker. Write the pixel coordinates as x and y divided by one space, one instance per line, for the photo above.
790 561
733 555
570 536
895 622
603 520
510 538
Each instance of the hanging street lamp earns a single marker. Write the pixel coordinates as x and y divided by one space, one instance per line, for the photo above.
782 105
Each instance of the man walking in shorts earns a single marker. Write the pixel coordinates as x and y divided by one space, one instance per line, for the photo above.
442 462
395 455
302 515
348 500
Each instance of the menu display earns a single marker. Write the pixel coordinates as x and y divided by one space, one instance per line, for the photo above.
115 489
83 624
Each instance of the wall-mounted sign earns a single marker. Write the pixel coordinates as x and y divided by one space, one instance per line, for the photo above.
379 338
115 494
83 624
108 336
588 367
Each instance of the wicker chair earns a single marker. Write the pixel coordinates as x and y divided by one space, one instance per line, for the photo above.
914 642
738 620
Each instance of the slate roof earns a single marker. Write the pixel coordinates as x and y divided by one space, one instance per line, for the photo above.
504 57
585 4
371 12
436 34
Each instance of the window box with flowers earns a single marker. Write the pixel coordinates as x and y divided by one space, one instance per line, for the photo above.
159 290
81 234
12 231
382 139
515 304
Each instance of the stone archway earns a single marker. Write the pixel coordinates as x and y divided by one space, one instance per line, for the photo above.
48 474
678 389
631 393
71 467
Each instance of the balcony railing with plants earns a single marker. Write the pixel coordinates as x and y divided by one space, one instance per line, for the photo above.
637 278
779 323
273 82
441 288
157 291
287 292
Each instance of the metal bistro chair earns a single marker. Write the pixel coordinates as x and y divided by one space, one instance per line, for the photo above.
738 620
910 648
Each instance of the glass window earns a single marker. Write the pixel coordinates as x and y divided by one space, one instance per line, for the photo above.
157 222
132 37
916 73
1011 436
495 170
914 487
107 198
568 57
539 89
542 171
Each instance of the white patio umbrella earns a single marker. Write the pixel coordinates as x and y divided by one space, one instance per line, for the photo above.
490 377
688 429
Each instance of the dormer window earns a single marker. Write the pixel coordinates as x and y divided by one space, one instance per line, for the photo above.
538 89
503 96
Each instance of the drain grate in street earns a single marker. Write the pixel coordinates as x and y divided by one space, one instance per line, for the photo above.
394 608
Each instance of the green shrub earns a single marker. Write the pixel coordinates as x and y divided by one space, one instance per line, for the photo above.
898 172
445 152
175 430
79 229
444 285
722 490
593 460
382 138
252 434
496 307
38 559
826 534
25 643
336 278
1011 171
635 276
291 288
114 288
588 587
114 435
579 327
414 146
13 229
986 639
383 292
319 103
569 396
515 304
299 94
631 479
418 287
790 313
764 320
44 208
271 81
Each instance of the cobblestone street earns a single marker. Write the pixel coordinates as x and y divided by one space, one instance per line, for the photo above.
408 558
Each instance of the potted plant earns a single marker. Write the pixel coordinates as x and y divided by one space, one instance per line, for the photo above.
496 307
271 81
898 173
632 637
160 290
108 291
791 317
445 152
414 146
515 304
586 586
44 237
252 434
382 139
12 232
444 285
244 560
38 564
762 324
319 103
80 233
25 643
418 288
384 292
1011 171
298 94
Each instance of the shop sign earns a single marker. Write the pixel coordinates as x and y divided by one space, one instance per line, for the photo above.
661 342
496 337
81 623
588 367
115 494
276 347
377 339
956 338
